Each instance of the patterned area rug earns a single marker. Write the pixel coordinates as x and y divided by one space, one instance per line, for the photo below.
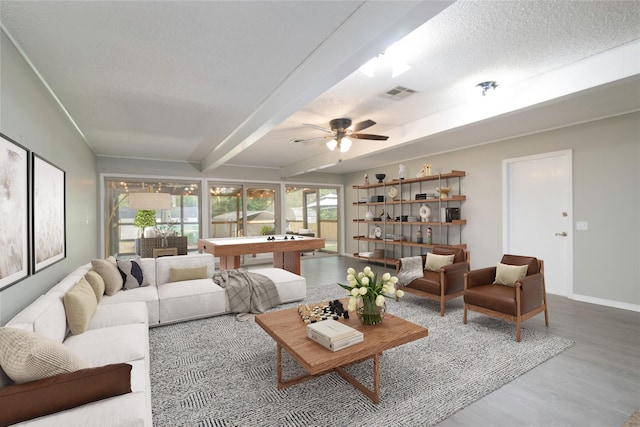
221 372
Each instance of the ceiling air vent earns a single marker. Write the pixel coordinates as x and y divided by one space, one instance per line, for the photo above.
398 92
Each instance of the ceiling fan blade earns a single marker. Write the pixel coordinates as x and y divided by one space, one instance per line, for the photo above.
368 136
318 127
362 125
300 140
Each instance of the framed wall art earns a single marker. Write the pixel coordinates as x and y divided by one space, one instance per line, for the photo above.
49 214
14 212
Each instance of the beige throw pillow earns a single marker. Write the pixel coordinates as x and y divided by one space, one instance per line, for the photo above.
26 356
108 270
97 284
193 273
508 275
436 262
80 305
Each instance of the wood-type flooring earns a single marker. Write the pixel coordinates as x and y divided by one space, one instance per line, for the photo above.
595 383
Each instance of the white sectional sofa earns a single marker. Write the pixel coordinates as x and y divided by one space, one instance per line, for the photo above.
118 332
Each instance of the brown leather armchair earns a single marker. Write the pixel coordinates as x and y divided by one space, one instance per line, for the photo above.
443 285
515 304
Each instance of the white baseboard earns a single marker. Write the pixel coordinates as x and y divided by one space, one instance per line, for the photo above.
606 302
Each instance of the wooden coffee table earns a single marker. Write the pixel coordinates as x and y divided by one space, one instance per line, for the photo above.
289 332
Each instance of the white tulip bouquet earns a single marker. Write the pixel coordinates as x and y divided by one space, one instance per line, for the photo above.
371 292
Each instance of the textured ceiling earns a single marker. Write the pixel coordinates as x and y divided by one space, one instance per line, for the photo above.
217 83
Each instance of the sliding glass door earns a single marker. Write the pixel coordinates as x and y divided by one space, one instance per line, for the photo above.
242 210
225 211
314 210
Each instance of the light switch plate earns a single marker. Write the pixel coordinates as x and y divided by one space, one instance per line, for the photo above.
582 225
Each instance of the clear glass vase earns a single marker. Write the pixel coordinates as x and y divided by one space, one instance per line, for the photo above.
368 312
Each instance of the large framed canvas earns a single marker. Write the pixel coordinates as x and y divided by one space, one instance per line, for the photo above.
14 212
49 222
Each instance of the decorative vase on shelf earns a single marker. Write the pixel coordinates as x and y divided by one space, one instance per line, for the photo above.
444 192
149 232
368 312
369 215
425 212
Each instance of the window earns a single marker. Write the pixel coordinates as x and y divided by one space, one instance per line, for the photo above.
182 218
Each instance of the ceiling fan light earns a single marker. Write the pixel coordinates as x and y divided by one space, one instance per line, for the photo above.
399 68
345 145
332 144
369 68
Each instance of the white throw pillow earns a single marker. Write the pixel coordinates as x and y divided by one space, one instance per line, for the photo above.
26 356
508 275
436 262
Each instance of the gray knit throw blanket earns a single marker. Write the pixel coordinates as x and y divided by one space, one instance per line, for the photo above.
248 292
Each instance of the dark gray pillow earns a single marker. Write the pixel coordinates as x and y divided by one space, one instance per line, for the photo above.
132 274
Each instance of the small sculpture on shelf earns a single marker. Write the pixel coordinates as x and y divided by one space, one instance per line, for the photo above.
401 170
424 171
425 212
366 179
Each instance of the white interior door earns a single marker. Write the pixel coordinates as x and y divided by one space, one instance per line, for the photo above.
537 204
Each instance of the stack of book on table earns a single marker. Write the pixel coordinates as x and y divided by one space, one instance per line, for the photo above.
333 334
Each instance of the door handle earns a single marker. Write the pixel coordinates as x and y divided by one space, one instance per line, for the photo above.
563 234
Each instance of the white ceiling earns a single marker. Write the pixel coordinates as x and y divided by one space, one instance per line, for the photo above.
232 82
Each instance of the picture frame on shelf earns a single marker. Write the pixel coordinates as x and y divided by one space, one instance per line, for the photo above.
14 206
372 232
49 213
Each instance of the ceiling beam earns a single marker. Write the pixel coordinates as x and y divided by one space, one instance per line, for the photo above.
364 34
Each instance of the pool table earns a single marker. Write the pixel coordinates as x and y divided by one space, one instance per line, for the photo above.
286 249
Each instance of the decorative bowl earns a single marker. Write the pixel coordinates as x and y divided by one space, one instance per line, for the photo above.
444 191
380 177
